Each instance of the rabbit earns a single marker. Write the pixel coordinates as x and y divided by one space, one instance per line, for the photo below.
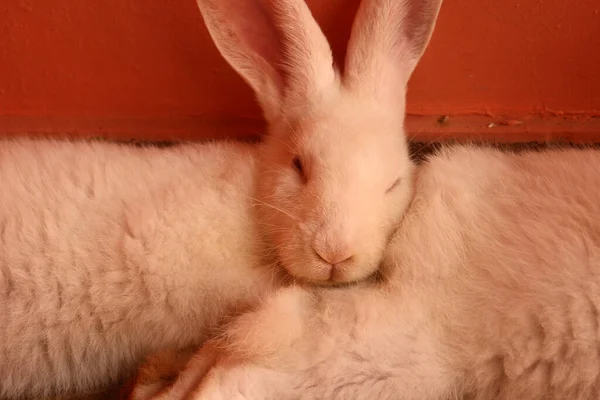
109 253
490 290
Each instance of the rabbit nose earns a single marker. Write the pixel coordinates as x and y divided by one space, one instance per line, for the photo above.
333 256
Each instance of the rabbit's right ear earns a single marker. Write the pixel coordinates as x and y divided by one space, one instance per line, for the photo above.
275 45
388 39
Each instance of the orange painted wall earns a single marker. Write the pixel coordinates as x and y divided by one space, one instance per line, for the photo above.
149 59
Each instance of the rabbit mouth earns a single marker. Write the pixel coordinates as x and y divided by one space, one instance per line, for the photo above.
307 268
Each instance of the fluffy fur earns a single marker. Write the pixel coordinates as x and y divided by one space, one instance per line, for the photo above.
111 252
492 292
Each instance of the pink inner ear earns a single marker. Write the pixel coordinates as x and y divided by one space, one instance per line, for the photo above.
252 22
244 31
276 45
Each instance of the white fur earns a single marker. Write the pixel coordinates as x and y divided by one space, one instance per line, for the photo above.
108 252
492 292
346 130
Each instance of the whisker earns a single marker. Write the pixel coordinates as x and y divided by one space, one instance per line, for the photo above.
290 148
264 203
431 144
261 224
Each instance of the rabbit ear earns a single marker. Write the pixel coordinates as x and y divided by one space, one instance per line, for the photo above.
388 39
275 45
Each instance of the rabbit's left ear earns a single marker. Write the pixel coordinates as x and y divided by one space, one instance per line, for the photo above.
387 41
276 46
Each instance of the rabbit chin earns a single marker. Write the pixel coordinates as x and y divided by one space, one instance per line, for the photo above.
308 268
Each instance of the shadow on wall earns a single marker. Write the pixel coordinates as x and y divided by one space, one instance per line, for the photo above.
137 62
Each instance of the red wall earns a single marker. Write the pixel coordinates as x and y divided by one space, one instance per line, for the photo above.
147 68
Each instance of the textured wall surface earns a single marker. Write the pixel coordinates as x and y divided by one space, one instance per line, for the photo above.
136 61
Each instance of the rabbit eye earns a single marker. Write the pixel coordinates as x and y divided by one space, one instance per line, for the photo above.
394 185
299 167
297 164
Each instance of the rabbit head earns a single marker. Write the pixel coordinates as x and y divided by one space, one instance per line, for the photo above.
334 175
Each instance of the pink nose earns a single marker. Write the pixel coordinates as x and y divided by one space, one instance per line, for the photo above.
333 257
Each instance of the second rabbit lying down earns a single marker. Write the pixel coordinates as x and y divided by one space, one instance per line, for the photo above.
109 252
492 292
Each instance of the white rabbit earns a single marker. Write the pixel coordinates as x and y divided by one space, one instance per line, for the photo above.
108 252
491 290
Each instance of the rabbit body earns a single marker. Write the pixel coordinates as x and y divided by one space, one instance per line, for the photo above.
109 252
492 292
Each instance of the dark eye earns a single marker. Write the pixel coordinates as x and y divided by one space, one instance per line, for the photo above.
394 185
297 164
299 167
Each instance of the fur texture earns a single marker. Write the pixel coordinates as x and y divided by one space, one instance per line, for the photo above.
492 292
108 253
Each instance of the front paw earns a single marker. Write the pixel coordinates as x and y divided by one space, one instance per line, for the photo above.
157 373
231 379
284 332
261 354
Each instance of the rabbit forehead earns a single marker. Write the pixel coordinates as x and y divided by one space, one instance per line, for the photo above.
354 134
